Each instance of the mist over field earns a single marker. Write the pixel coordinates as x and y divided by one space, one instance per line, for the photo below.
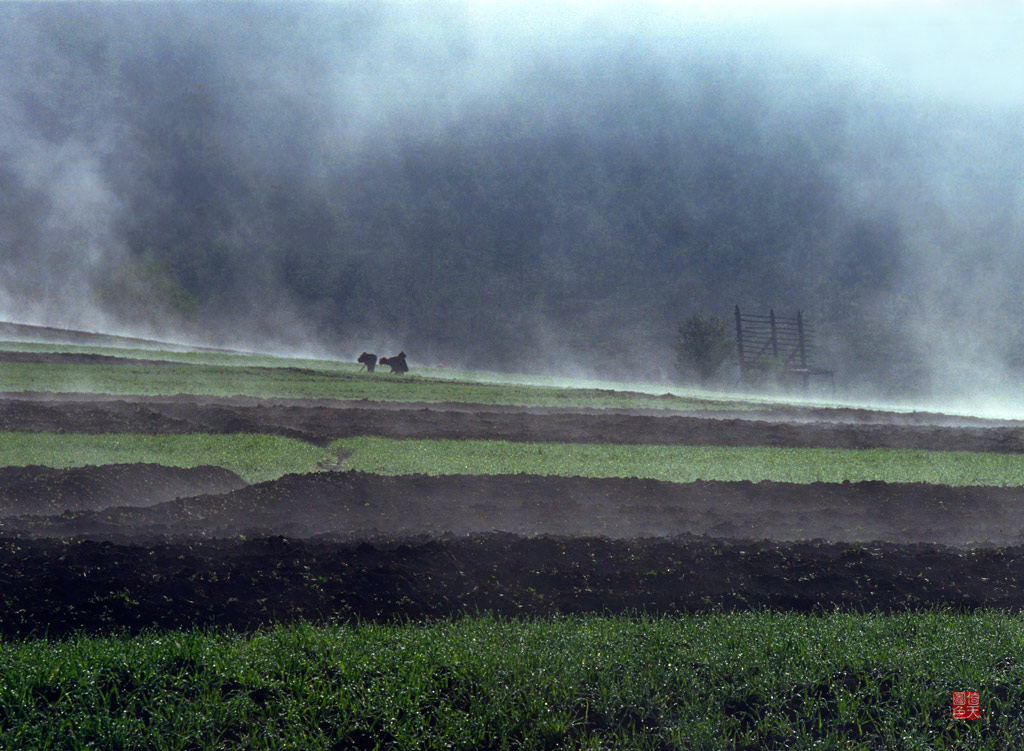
521 186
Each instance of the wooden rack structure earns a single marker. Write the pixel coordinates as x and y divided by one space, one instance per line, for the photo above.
791 339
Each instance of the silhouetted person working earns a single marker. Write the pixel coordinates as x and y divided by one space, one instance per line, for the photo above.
397 363
368 360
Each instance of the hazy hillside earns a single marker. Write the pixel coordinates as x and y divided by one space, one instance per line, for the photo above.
504 188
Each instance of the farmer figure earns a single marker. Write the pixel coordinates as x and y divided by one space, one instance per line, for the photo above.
397 363
369 361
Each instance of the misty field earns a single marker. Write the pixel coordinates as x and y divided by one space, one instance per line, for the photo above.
291 672
713 434
271 378
746 680
679 463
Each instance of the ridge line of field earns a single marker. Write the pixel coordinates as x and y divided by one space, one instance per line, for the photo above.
841 416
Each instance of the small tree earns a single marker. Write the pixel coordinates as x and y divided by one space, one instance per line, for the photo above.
702 347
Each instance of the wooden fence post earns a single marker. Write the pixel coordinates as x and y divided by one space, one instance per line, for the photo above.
803 353
739 345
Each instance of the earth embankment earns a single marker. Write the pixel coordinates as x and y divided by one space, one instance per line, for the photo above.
38 491
355 505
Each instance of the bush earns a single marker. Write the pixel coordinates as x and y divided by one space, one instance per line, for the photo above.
703 346
769 372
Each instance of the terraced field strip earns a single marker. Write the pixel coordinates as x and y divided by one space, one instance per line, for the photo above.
254 457
324 381
328 365
751 680
679 463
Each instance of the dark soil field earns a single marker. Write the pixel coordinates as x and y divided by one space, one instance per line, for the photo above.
137 546
56 587
354 506
322 421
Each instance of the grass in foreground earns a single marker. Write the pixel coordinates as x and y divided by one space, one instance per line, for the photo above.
230 375
753 680
679 463
254 457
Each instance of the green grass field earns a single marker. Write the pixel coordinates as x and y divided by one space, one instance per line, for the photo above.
679 463
751 680
319 380
254 457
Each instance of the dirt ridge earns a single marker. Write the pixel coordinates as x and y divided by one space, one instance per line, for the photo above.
358 505
321 424
37 490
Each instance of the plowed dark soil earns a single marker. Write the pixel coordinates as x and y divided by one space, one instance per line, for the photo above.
411 548
57 587
321 423
357 505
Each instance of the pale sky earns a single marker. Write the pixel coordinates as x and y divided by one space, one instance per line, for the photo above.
959 51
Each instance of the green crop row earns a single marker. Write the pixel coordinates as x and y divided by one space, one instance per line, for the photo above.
258 457
752 680
679 463
254 457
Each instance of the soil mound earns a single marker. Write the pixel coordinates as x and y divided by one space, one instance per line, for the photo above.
357 505
58 587
43 490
